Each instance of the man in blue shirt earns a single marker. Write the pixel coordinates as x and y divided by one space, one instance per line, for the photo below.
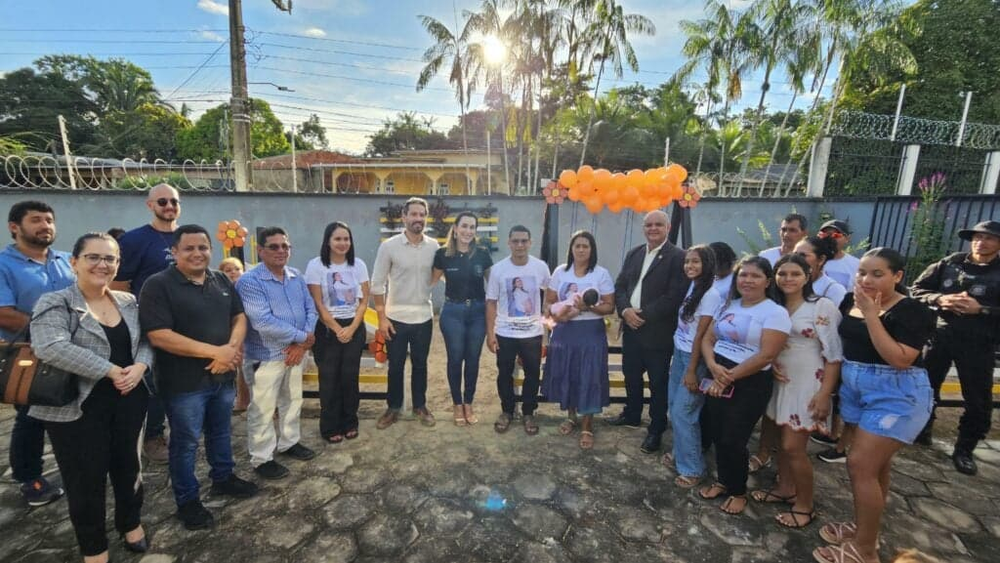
29 268
282 317
145 251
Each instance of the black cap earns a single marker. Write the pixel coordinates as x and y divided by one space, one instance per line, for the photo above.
838 225
987 227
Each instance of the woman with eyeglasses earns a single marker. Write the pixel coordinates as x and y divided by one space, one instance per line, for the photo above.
94 332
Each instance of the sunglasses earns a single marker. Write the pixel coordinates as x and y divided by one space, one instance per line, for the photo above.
831 234
276 247
162 202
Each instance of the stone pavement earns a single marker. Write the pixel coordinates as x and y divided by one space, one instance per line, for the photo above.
448 494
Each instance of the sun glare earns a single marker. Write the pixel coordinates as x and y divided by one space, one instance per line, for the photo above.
494 49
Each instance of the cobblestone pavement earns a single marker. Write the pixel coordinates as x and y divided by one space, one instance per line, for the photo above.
448 494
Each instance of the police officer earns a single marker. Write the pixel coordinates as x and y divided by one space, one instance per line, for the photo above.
965 289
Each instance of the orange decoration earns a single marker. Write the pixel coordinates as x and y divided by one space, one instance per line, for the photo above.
585 174
689 198
231 234
567 178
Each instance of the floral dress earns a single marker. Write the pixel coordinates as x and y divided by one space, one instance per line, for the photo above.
812 342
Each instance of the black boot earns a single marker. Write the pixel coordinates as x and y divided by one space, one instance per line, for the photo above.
925 436
963 462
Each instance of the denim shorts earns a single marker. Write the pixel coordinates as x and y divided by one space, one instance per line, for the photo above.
885 401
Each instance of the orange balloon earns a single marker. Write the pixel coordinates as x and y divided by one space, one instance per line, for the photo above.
676 191
603 180
619 180
227 244
610 196
586 189
616 207
238 241
574 193
677 171
585 174
242 232
594 205
234 224
636 178
651 177
567 178
629 195
221 235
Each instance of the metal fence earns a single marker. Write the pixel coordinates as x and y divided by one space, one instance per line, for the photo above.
962 167
892 219
863 167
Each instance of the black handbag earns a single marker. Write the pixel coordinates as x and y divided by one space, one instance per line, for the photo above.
25 380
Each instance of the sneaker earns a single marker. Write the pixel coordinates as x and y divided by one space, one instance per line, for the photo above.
271 470
822 439
156 450
299 452
832 456
194 515
387 419
40 492
234 487
425 416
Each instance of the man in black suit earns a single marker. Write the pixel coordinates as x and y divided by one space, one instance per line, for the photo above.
648 295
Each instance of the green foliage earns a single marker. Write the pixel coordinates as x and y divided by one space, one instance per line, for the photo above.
10 145
148 131
115 85
208 139
406 132
30 103
928 239
310 135
755 247
175 179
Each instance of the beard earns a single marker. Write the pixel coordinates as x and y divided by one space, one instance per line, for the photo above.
38 242
162 216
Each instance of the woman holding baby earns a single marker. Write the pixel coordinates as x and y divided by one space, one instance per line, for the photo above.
576 369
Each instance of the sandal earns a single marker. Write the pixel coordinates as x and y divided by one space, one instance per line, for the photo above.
795 515
726 506
503 423
770 497
668 460
586 439
687 482
460 416
836 533
567 426
335 439
530 428
470 417
845 553
756 464
713 491
351 434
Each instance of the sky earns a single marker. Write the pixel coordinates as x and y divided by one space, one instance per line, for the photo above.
353 62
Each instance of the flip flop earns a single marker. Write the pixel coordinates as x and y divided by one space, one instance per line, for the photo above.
335 439
705 493
586 439
567 427
795 515
351 434
729 502
687 482
770 497
668 460
756 464
502 424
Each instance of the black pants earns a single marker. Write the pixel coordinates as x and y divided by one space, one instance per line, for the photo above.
415 338
530 352
973 358
27 442
731 421
636 360
103 442
339 365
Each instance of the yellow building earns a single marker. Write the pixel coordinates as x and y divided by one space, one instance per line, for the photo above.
423 172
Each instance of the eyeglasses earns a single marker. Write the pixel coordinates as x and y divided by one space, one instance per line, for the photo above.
276 247
95 259
162 202
831 234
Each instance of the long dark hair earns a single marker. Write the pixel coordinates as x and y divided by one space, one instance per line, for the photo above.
324 249
725 257
761 264
823 247
592 263
702 283
896 262
451 247
779 296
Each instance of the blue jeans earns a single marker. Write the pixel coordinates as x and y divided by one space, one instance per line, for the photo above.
208 409
463 325
685 413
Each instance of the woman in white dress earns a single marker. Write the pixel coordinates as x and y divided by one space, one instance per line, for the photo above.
806 373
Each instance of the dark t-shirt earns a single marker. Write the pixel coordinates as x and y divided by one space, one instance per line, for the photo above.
465 273
120 340
200 312
909 322
145 251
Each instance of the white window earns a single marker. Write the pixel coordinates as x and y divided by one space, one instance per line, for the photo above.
390 187
443 189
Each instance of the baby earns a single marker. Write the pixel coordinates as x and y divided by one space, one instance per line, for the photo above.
589 298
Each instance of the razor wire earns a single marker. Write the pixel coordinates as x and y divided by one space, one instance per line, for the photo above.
915 130
43 171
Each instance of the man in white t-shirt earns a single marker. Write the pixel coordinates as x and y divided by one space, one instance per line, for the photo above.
843 267
514 325
794 227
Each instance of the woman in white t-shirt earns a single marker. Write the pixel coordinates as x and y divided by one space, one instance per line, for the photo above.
748 333
818 251
338 283
576 369
687 368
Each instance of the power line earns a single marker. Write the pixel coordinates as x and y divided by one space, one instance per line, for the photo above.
346 41
102 30
104 41
353 79
339 52
197 70
113 54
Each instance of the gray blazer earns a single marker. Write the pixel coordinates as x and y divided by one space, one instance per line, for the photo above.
86 354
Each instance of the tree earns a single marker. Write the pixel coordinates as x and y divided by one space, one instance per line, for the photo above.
309 135
209 138
31 102
148 131
406 132
114 84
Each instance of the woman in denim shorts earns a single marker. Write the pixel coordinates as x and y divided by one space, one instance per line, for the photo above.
885 393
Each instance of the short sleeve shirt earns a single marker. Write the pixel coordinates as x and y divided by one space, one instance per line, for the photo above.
464 273
565 283
824 286
200 312
771 254
517 291
145 251
843 270
340 285
908 322
722 286
23 280
738 329
687 331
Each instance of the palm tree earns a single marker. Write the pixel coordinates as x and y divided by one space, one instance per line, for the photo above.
451 48
488 22
610 27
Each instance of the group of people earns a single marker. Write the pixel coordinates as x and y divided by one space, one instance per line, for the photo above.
792 336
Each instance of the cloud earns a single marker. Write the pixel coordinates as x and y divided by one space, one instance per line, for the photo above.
211 35
213 7
315 32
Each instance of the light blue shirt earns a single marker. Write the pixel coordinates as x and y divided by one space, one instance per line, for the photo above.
280 312
23 280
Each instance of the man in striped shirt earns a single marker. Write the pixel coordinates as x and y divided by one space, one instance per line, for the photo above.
282 318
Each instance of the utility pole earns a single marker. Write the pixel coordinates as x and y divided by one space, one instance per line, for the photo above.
240 99
66 153
295 171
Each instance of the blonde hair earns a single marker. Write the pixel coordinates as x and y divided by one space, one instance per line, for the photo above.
451 247
914 556
232 261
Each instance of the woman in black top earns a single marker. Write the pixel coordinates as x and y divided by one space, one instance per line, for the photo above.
885 393
465 266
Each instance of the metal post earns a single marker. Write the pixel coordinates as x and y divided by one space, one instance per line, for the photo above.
489 164
295 171
818 167
66 153
240 98
666 152
991 173
965 117
899 108
908 170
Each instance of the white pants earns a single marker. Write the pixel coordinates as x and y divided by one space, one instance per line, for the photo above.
273 384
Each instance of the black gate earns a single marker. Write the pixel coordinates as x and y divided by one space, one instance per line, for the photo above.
891 220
